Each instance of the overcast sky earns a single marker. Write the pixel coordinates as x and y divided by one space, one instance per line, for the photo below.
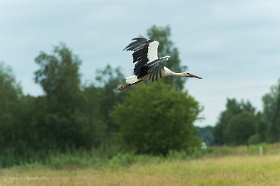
233 45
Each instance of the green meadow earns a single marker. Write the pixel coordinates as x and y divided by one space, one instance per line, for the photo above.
218 166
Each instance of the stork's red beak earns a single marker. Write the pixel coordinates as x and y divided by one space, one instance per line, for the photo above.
194 76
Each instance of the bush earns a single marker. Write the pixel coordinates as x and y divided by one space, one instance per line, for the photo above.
155 119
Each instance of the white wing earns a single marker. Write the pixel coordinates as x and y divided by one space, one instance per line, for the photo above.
152 51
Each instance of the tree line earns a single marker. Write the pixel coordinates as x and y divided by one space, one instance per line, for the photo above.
152 118
240 123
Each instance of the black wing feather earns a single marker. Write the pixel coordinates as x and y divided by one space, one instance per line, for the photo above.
155 67
133 45
140 55
157 70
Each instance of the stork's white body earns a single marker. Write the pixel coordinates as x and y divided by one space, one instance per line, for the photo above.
133 79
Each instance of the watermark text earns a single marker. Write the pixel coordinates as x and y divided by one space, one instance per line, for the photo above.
28 178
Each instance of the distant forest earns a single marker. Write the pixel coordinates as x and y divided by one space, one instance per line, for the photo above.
152 118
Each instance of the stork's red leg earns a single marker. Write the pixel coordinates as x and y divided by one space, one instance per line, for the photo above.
128 85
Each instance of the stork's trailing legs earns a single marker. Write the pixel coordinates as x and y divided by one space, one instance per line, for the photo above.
128 85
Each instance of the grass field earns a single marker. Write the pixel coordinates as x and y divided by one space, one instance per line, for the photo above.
228 170
217 166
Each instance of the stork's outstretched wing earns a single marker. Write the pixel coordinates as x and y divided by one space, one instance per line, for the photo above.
145 50
155 68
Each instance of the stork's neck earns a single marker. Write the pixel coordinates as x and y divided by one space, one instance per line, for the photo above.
169 72
180 74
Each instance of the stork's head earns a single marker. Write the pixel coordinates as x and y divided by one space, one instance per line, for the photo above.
187 74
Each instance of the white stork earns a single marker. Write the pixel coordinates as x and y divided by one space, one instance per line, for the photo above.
148 66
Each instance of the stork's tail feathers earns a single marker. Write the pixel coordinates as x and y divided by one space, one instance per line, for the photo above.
132 79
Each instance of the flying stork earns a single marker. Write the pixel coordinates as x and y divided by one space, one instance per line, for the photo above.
148 66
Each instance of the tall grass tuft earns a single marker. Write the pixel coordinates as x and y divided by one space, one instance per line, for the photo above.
127 159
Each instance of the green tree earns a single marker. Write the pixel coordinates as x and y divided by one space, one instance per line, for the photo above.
155 119
59 77
109 79
92 111
167 48
206 134
15 129
67 123
240 128
10 94
271 112
233 108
